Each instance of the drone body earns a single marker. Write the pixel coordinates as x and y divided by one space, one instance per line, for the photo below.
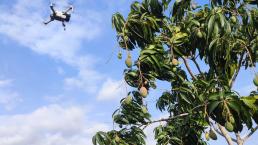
59 16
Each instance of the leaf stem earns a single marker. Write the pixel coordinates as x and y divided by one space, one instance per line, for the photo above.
188 68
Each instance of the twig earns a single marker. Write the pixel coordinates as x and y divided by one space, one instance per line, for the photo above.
164 119
250 134
237 71
197 65
171 118
188 68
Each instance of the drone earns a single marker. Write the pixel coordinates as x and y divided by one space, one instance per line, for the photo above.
62 16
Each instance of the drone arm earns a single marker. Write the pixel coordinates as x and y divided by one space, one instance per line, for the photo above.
69 9
47 22
52 8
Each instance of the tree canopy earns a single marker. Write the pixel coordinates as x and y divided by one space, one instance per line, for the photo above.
167 35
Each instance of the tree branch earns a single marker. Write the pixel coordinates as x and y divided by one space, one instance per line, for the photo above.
226 135
164 119
188 68
170 118
239 139
250 134
237 71
197 65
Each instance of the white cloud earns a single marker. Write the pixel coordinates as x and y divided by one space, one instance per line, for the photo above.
8 97
112 89
5 83
86 80
49 125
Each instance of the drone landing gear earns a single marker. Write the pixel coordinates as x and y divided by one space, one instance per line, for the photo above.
63 23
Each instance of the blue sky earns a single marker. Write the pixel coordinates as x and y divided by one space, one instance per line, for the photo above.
60 87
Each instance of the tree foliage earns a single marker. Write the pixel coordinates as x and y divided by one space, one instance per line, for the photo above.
223 34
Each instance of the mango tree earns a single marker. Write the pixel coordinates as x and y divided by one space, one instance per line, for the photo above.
172 41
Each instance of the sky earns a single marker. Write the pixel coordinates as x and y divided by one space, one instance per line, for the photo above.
59 87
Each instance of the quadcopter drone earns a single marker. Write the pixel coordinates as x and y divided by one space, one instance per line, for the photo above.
62 16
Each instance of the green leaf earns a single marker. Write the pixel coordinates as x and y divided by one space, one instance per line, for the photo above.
213 105
211 24
222 19
234 106
214 96
94 141
212 44
182 96
250 102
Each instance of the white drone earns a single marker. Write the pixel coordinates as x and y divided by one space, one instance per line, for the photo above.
62 16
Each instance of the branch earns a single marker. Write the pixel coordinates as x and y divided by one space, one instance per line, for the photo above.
188 68
250 134
226 135
249 54
197 65
216 129
164 119
170 118
240 141
237 71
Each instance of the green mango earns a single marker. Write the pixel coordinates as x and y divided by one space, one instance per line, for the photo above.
232 120
128 100
199 34
233 19
213 135
229 126
119 56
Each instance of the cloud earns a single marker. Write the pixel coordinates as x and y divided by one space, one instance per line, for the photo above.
111 89
49 125
5 83
86 80
8 97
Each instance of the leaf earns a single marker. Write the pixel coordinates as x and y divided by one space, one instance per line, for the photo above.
235 106
213 105
211 24
94 141
222 19
182 96
250 102
214 96
213 42
195 22
216 30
